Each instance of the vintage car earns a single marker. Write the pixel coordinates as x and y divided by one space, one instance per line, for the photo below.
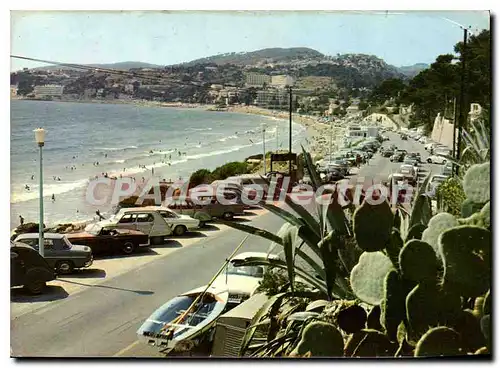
59 252
435 159
29 269
155 221
205 208
103 240
242 281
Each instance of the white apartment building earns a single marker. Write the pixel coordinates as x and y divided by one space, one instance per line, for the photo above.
281 81
48 90
257 80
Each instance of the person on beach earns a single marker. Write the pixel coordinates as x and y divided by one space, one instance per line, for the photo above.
98 213
32 177
152 171
27 187
53 198
21 220
105 155
58 178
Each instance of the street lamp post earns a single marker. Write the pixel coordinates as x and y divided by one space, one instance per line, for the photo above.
40 140
264 146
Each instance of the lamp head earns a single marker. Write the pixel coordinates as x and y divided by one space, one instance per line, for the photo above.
40 136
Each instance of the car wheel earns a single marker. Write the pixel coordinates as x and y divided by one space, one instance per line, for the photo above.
429 160
157 240
179 230
227 216
128 248
64 267
35 283
444 162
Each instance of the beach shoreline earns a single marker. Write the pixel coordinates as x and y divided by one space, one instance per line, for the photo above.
315 130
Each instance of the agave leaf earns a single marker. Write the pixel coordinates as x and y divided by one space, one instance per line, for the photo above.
314 265
304 215
288 246
421 212
310 238
253 230
470 141
329 256
315 179
285 215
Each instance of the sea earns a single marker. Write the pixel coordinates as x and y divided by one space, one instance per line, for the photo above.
85 140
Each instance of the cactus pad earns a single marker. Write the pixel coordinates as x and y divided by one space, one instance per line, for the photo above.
418 261
466 255
373 225
352 319
438 223
321 339
439 341
367 277
476 183
393 305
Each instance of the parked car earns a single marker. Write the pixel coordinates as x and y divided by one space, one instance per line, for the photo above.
211 208
397 157
29 269
59 252
155 221
412 162
387 152
404 137
447 169
103 240
434 159
242 281
408 171
434 183
178 224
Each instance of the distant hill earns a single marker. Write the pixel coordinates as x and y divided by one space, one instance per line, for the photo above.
124 65
264 56
412 70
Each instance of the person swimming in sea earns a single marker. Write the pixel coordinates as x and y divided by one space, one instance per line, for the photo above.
53 198
32 177
27 187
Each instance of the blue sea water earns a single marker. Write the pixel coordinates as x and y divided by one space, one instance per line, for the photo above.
122 138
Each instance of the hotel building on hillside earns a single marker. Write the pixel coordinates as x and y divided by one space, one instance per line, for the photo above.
257 80
48 90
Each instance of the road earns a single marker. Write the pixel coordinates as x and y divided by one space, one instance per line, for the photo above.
102 319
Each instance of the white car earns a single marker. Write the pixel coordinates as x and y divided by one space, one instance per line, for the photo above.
429 146
156 221
242 281
423 140
434 159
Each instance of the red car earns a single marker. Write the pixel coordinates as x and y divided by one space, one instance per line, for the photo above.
104 240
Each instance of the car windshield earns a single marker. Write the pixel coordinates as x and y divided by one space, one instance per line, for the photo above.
94 230
438 179
253 271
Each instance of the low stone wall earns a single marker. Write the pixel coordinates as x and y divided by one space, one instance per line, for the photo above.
442 131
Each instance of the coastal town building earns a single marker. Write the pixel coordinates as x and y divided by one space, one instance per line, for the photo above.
274 99
13 91
282 81
257 80
48 90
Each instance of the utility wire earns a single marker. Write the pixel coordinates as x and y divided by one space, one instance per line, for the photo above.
100 69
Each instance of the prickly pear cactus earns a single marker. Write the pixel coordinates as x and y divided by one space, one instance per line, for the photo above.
393 304
373 225
321 339
416 232
422 309
439 341
367 277
438 223
476 183
418 261
369 343
469 207
469 328
352 319
485 214
466 256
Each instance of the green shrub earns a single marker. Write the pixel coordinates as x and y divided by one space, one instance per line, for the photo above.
450 196
202 176
230 169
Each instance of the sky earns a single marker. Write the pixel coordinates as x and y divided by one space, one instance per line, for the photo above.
164 38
